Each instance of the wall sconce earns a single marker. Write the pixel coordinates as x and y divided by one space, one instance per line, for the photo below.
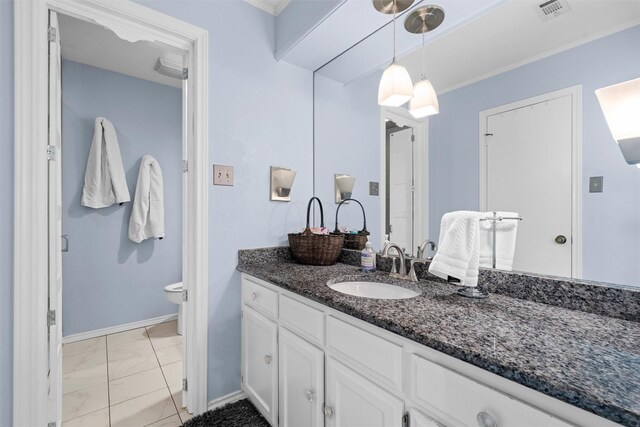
620 104
281 183
344 186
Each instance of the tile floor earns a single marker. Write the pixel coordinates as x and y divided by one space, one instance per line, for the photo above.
132 378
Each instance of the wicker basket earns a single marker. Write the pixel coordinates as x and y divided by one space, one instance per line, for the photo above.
315 249
353 241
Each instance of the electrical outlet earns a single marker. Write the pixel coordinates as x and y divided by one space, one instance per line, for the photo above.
595 184
222 175
374 188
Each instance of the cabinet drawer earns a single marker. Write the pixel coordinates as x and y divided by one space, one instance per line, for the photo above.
303 319
459 398
259 297
378 358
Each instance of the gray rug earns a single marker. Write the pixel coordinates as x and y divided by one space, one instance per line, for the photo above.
240 413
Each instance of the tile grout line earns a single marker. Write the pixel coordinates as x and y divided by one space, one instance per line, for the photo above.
85 387
165 377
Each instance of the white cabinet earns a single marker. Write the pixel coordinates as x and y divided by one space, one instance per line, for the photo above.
307 365
260 362
353 401
301 382
418 419
464 401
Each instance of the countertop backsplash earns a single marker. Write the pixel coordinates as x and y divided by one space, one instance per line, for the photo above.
621 302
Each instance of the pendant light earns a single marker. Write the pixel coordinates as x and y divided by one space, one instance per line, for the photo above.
395 87
425 101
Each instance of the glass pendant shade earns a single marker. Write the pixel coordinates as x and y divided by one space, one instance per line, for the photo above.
425 101
395 86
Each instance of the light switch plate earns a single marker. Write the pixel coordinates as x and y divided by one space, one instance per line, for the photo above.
374 188
222 175
595 184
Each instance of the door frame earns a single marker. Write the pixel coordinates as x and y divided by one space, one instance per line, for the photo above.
131 22
575 92
421 177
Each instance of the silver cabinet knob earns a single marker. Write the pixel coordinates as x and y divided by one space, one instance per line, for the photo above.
486 420
267 359
253 296
561 240
328 411
309 394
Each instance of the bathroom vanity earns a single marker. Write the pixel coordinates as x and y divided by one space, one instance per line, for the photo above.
312 356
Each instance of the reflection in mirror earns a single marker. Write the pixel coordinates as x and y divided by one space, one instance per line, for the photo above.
519 130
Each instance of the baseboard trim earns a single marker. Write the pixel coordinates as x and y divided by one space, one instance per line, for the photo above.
224 400
120 328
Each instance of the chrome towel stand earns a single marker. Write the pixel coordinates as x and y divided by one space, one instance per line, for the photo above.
475 292
495 218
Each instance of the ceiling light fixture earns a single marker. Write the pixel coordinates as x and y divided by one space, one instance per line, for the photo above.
425 101
395 87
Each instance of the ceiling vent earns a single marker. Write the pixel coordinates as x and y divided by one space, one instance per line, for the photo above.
552 8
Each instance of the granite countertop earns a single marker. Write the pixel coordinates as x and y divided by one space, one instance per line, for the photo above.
587 360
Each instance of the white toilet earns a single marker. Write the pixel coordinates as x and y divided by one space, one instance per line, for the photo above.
173 293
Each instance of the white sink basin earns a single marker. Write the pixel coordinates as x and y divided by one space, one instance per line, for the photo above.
373 290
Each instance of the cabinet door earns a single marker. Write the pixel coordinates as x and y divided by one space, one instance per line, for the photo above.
301 379
418 419
353 401
260 362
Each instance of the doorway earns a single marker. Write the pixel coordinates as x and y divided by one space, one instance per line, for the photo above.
530 164
404 180
37 372
122 349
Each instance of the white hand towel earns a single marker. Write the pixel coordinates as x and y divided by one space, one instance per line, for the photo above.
147 213
506 231
104 180
458 248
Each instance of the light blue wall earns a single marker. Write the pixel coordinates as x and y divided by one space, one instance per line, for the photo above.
260 114
6 210
347 130
611 220
108 279
296 19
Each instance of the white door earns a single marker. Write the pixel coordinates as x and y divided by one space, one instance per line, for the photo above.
260 362
528 164
353 401
301 380
55 226
401 188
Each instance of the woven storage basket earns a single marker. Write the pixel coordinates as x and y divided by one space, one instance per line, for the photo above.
315 249
353 241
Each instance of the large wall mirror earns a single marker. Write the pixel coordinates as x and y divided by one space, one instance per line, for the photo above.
519 130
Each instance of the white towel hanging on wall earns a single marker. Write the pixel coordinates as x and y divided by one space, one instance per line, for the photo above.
147 213
104 179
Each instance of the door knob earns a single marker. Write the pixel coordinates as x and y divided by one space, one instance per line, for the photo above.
328 411
309 394
561 240
486 420
267 359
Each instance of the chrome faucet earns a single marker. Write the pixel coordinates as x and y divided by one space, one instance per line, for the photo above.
423 246
403 268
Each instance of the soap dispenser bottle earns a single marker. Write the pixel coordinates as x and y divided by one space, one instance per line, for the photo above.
368 259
